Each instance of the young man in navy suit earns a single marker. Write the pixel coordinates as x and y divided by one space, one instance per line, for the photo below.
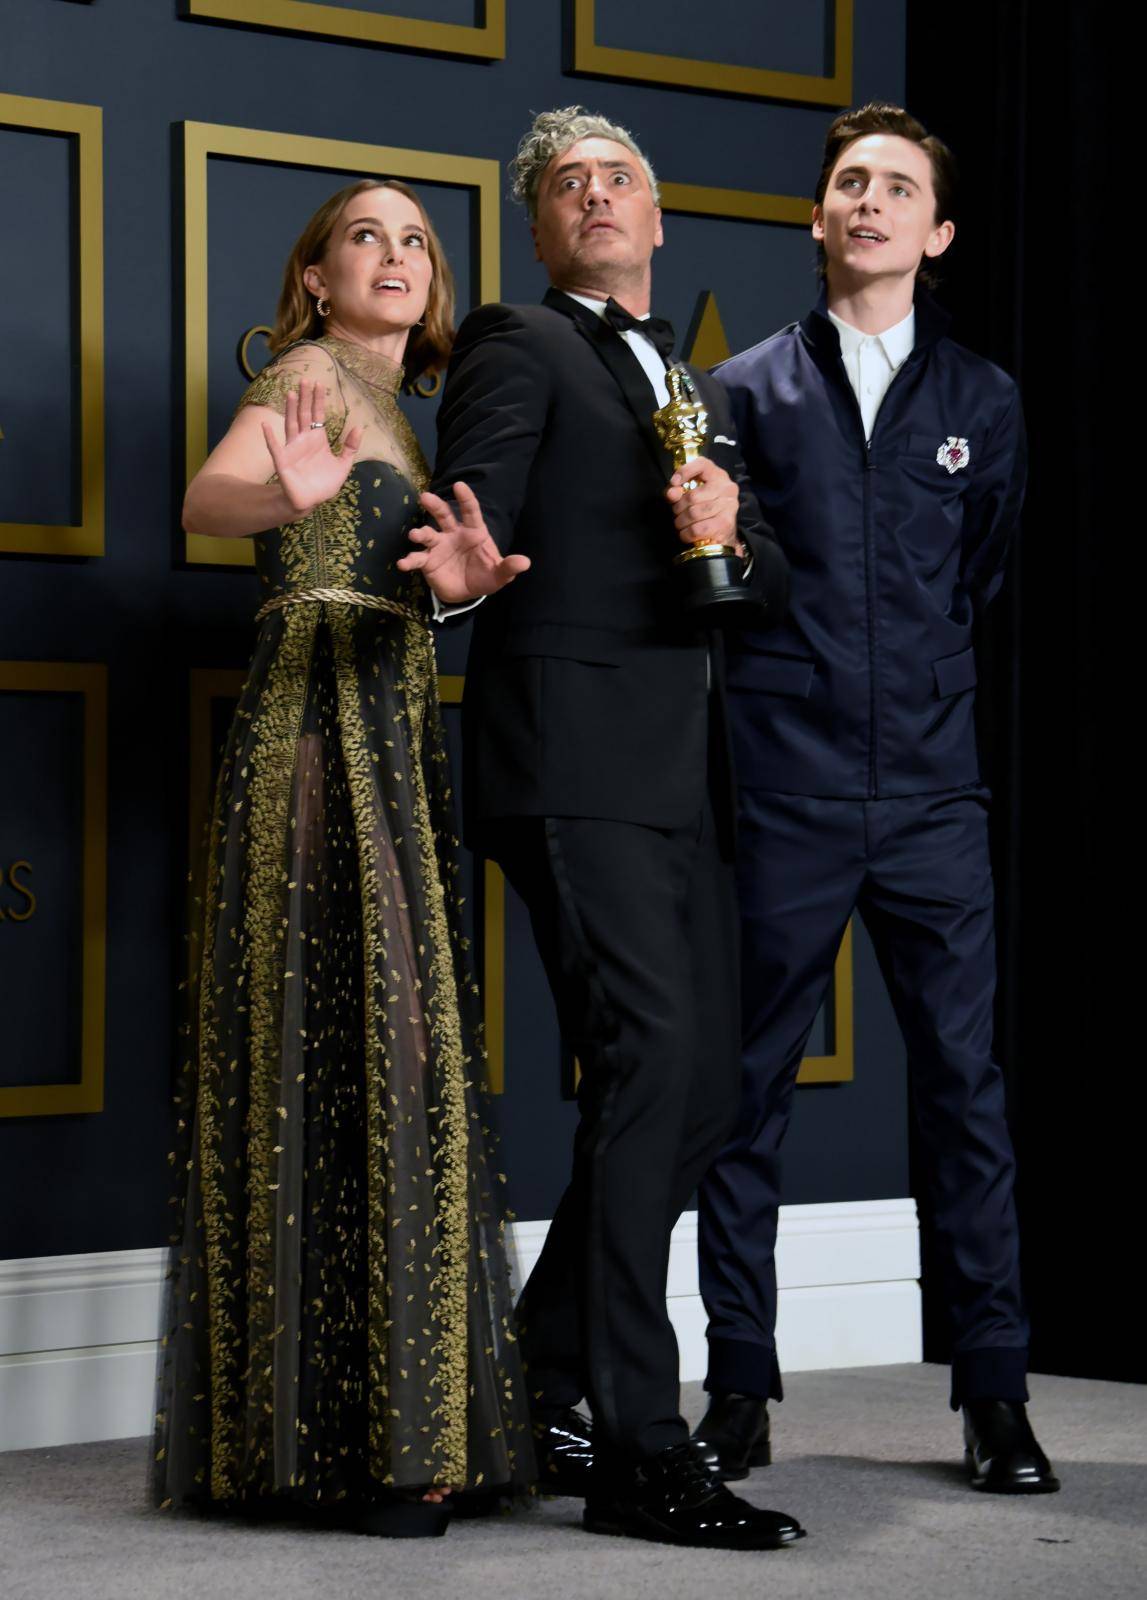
889 462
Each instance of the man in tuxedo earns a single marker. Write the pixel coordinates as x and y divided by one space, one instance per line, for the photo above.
890 462
598 777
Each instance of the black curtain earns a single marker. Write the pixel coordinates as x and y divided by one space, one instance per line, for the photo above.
1040 278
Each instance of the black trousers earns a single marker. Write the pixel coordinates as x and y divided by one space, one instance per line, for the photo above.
637 928
918 872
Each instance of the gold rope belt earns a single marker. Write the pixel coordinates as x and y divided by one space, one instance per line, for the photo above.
339 597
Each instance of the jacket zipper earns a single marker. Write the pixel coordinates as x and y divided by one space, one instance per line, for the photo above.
869 562
867 470
870 603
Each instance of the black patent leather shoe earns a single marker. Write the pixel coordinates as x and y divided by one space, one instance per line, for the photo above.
403 1519
563 1445
733 1435
676 1498
1001 1451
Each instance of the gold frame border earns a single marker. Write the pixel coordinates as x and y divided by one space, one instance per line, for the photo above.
485 41
684 72
91 681
840 1066
85 124
208 682
736 205
202 140
743 205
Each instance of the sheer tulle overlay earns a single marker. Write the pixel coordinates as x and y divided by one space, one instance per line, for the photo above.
338 1321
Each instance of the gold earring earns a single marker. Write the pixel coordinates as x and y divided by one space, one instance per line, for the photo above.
323 306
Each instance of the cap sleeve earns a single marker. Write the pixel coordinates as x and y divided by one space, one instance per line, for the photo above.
283 375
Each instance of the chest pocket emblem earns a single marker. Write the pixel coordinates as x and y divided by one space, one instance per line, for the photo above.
953 453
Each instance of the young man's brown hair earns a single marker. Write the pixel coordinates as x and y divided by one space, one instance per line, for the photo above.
881 117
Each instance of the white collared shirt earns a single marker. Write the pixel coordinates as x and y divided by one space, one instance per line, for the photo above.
644 349
872 360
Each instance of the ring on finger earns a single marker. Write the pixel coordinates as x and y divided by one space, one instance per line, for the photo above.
317 424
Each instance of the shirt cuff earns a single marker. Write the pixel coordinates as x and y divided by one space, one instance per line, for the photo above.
441 612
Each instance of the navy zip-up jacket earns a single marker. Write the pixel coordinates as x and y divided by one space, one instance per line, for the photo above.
866 690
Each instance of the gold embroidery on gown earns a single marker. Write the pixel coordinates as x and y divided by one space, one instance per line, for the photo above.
338 1316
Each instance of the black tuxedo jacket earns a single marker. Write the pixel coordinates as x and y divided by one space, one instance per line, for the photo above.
586 695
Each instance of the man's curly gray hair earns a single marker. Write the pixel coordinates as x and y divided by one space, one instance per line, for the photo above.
553 133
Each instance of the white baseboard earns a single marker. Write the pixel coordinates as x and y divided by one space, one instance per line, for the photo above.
77 1333
847 1275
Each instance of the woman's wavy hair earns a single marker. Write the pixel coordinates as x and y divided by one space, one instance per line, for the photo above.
881 117
428 347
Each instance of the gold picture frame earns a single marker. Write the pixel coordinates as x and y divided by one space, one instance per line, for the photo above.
209 683
707 345
84 124
736 205
705 341
90 681
201 141
839 1065
684 72
485 40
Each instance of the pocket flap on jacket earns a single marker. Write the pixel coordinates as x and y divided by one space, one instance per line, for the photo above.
954 674
594 645
929 445
773 674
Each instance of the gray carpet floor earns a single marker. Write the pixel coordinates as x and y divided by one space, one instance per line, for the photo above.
869 1461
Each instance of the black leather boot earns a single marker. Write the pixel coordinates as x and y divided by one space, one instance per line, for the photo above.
676 1498
733 1435
1001 1451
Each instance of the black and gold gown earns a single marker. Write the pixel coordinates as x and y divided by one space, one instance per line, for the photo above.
339 1315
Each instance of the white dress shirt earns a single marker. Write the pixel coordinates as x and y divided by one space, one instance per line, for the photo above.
644 349
872 360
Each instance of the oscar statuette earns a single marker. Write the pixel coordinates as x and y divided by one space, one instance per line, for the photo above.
711 575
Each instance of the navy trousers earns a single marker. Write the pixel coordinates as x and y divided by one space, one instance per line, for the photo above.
918 873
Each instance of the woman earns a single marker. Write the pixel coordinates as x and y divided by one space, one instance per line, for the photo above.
338 1337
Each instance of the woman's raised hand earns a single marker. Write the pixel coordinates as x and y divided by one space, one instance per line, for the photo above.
459 559
307 468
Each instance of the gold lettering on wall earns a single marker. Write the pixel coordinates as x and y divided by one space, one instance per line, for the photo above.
243 349
425 387
8 912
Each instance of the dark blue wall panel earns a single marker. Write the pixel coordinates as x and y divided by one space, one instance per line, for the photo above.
99 1182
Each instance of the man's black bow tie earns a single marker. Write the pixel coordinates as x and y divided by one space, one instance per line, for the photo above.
656 329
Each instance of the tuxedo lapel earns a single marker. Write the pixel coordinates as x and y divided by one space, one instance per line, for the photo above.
623 366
